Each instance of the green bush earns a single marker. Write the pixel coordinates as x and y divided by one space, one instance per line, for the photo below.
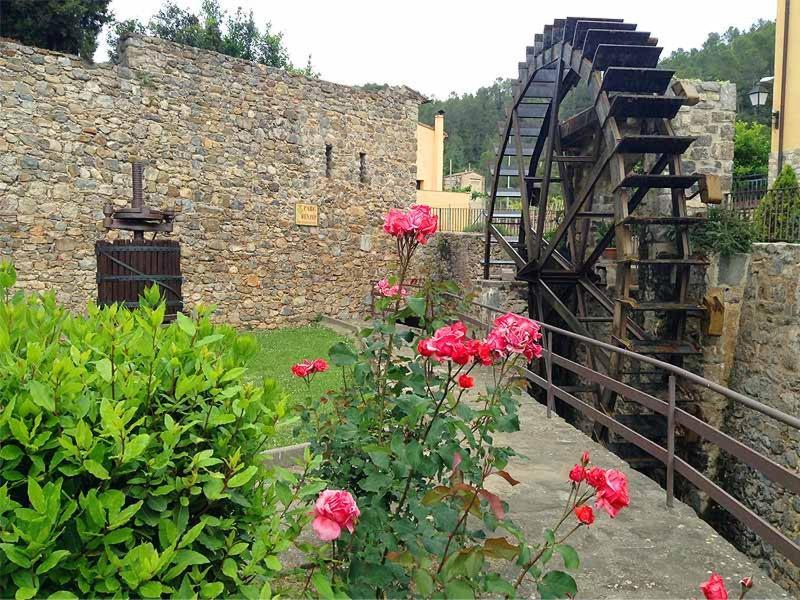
751 145
777 216
129 456
725 232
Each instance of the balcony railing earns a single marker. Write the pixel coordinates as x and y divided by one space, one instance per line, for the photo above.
460 219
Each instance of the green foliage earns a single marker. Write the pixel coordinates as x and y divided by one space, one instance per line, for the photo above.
726 232
70 26
129 456
777 216
213 29
751 146
743 57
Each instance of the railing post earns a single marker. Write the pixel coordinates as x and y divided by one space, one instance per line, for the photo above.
548 365
671 442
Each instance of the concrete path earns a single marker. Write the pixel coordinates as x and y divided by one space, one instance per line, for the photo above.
648 551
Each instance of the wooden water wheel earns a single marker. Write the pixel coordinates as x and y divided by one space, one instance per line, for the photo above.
566 186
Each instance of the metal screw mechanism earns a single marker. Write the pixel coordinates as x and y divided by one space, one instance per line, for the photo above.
138 217
136 173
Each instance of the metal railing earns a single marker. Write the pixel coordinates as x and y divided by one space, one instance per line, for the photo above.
747 191
775 216
675 417
460 219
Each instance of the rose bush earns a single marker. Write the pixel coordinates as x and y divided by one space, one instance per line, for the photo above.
414 442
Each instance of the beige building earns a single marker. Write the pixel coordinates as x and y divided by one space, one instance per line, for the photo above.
463 180
786 89
430 168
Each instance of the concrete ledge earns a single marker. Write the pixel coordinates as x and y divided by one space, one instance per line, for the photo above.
285 456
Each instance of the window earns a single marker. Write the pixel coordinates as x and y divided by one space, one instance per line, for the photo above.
328 159
362 167
419 184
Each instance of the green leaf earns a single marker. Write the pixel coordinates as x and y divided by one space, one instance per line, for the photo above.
457 590
322 585
186 324
51 561
233 374
229 569
571 560
210 339
191 535
19 431
243 477
16 555
417 305
375 482
42 395
11 452
557 584
62 595
24 593
212 590
103 367
273 563
342 355
183 559
95 468
124 515
151 589
36 497
424 582
135 447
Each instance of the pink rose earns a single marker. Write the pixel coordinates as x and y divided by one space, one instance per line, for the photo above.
746 583
585 459
577 474
515 334
447 339
483 353
585 514
390 291
320 365
303 369
334 510
422 222
714 588
596 477
613 496
417 223
396 223
424 349
465 381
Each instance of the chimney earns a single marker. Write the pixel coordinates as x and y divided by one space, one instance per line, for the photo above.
438 154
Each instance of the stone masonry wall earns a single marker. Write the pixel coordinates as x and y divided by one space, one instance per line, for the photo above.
233 144
767 367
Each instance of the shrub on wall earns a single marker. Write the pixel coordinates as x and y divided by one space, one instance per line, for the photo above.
129 456
777 217
725 232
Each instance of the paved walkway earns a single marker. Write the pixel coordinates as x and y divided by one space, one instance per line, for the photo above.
648 551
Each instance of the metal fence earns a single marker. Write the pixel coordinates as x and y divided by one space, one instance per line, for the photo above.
775 214
460 219
674 418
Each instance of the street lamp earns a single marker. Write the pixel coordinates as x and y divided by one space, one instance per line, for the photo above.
758 96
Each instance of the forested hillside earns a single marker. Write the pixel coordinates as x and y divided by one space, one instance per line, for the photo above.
471 119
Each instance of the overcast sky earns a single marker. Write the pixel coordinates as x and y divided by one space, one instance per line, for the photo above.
443 46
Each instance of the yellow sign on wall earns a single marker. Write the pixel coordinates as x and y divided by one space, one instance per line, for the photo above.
306 214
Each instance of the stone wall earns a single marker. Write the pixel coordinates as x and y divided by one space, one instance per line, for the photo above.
711 121
790 157
233 144
766 367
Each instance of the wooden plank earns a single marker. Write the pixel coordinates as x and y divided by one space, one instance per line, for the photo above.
610 55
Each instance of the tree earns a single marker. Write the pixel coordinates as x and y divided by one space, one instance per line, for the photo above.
743 57
213 29
471 124
70 26
751 145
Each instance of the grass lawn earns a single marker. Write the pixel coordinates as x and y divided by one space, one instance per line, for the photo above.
280 349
